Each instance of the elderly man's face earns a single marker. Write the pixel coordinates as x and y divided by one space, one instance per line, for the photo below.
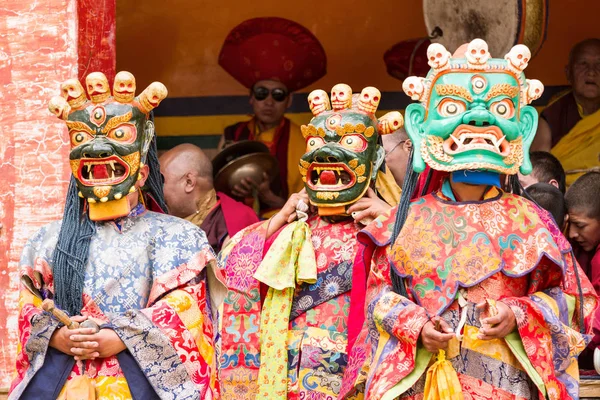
396 157
269 109
584 72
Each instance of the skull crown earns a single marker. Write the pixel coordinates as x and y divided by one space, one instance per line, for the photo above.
477 59
74 96
341 99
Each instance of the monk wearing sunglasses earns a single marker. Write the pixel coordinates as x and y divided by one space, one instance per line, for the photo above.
271 69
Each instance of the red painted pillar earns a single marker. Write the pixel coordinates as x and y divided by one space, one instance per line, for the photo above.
42 44
96 37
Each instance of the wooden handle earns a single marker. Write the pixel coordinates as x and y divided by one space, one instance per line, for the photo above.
48 305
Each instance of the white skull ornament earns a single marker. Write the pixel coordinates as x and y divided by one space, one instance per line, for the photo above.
97 87
59 107
151 97
73 92
124 87
477 54
438 57
369 98
518 58
535 89
390 122
318 101
413 87
341 97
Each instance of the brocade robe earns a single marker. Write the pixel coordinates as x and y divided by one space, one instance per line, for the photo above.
146 277
317 335
453 255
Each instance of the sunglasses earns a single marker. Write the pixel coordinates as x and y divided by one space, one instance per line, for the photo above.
261 93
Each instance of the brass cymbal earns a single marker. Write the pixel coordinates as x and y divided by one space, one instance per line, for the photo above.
244 159
236 150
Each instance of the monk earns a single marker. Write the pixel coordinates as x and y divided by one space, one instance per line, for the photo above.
583 74
190 194
570 127
271 72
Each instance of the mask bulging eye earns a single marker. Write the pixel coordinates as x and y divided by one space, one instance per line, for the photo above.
451 108
333 122
503 108
354 143
314 142
125 133
79 137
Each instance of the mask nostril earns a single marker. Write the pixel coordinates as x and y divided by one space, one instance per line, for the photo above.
332 159
485 123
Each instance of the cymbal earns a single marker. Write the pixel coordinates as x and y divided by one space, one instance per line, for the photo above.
237 150
247 166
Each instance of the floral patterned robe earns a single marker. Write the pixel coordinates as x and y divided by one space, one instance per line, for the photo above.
453 255
146 278
317 336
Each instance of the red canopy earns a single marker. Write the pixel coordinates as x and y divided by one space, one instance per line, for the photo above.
273 48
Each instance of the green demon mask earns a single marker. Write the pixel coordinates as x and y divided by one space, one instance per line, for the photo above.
109 137
473 113
342 154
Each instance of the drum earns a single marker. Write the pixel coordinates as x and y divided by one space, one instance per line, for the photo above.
501 23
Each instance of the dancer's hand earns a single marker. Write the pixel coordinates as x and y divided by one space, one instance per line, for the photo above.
499 325
434 340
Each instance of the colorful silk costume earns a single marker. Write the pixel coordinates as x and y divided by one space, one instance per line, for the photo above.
288 297
142 274
146 278
451 255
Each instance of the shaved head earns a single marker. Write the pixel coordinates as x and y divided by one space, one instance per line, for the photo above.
187 158
587 44
188 177
583 73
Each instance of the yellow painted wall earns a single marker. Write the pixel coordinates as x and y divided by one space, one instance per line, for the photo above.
178 41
